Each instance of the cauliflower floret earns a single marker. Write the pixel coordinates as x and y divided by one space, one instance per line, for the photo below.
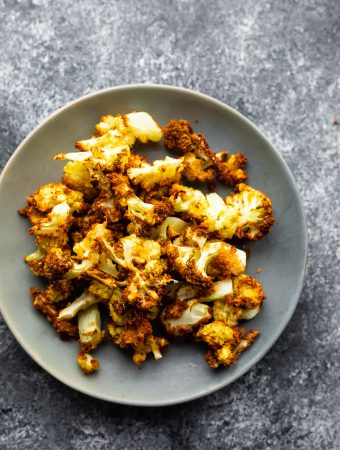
255 212
84 301
106 208
178 134
192 236
193 263
162 172
79 269
89 325
65 329
183 317
217 333
51 195
56 221
197 170
224 355
218 290
190 201
100 291
171 227
143 126
218 219
226 313
59 290
106 158
227 354
111 139
152 344
32 214
140 125
53 265
77 176
231 170
88 248
87 363
146 214
228 261
247 293
144 291
137 334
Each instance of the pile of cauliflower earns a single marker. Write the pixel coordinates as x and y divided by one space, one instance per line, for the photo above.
124 239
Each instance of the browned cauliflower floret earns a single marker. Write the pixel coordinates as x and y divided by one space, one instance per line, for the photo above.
77 177
194 263
189 201
199 159
228 262
153 344
255 212
87 363
101 291
136 125
51 231
247 293
106 208
228 353
218 333
177 135
32 214
89 326
145 215
162 172
230 169
183 317
144 291
59 290
65 329
224 312
53 265
51 195
196 169
137 334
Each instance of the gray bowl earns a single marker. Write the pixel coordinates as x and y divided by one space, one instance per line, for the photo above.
182 374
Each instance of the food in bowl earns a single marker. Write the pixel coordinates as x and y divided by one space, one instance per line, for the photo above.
127 240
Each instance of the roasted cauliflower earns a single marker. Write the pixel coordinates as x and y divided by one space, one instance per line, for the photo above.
133 256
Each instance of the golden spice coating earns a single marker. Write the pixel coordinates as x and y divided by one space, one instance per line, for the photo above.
53 265
227 313
230 170
199 159
87 363
218 333
32 214
59 290
120 236
78 177
226 263
65 329
248 292
184 317
255 212
51 195
221 356
197 170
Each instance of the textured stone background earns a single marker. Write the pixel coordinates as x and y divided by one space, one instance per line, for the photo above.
276 62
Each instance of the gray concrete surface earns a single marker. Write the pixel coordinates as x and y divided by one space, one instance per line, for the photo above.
279 64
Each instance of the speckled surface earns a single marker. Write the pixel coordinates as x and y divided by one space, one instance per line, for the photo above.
276 62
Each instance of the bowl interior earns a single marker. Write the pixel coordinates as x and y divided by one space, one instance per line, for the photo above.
182 374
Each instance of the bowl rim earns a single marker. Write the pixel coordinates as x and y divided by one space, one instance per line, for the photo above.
290 311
